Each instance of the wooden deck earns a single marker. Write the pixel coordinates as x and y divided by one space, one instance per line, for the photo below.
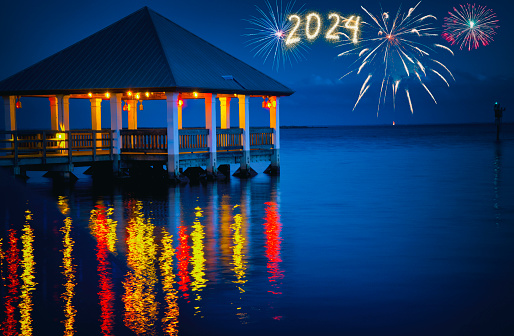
43 150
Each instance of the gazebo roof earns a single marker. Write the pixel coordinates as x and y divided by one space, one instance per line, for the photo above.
143 51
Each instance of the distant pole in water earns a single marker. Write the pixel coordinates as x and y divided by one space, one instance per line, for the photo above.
498 114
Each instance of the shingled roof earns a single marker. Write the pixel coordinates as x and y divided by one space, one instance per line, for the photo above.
143 51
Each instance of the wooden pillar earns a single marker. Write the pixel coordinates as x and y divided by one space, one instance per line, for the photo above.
54 117
96 118
225 112
63 112
9 124
132 114
210 124
115 102
9 113
172 131
179 116
244 123
275 125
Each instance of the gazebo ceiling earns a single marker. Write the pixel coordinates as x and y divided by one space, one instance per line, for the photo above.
141 52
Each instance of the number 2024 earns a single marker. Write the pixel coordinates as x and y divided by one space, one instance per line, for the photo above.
312 31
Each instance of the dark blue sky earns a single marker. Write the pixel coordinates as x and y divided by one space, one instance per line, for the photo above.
34 30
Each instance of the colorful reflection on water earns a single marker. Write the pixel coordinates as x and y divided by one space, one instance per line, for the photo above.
103 228
141 306
273 227
170 319
148 276
69 270
12 256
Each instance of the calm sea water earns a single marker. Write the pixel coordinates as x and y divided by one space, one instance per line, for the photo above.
368 231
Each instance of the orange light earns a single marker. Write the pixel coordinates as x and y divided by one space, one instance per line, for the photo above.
274 103
269 105
180 102
129 93
195 94
137 96
394 123
147 94
107 95
18 104
90 95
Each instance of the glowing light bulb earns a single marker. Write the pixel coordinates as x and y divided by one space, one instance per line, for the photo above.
147 94
107 95
137 96
90 95
195 94
129 93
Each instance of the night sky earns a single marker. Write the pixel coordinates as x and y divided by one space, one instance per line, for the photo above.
34 30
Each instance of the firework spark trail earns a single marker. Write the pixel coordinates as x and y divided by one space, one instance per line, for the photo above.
400 47
470 26
269 31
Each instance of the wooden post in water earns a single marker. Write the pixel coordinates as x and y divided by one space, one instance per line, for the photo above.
210 124
173 140
498 114
274 116
115 101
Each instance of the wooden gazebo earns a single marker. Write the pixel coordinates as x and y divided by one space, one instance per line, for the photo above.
143 56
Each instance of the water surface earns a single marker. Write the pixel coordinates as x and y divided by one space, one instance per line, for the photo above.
368 231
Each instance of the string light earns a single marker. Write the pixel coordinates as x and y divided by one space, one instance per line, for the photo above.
147 94
107 95
90 95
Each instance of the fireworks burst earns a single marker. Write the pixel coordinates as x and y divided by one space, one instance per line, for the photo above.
470 26
268 35
396 54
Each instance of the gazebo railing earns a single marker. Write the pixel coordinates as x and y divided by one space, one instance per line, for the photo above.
261 138
144 140
15 145
229 139
193 139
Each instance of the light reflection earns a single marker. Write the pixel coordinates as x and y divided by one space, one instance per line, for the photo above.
141 306
183 257
69 269
69 276
273 227
101 228
101 222
238 255
198 258
225 239
171 313
12 257
27 276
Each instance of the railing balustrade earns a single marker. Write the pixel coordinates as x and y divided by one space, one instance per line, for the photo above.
261 138
144 140
44 144
193 140
229 139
